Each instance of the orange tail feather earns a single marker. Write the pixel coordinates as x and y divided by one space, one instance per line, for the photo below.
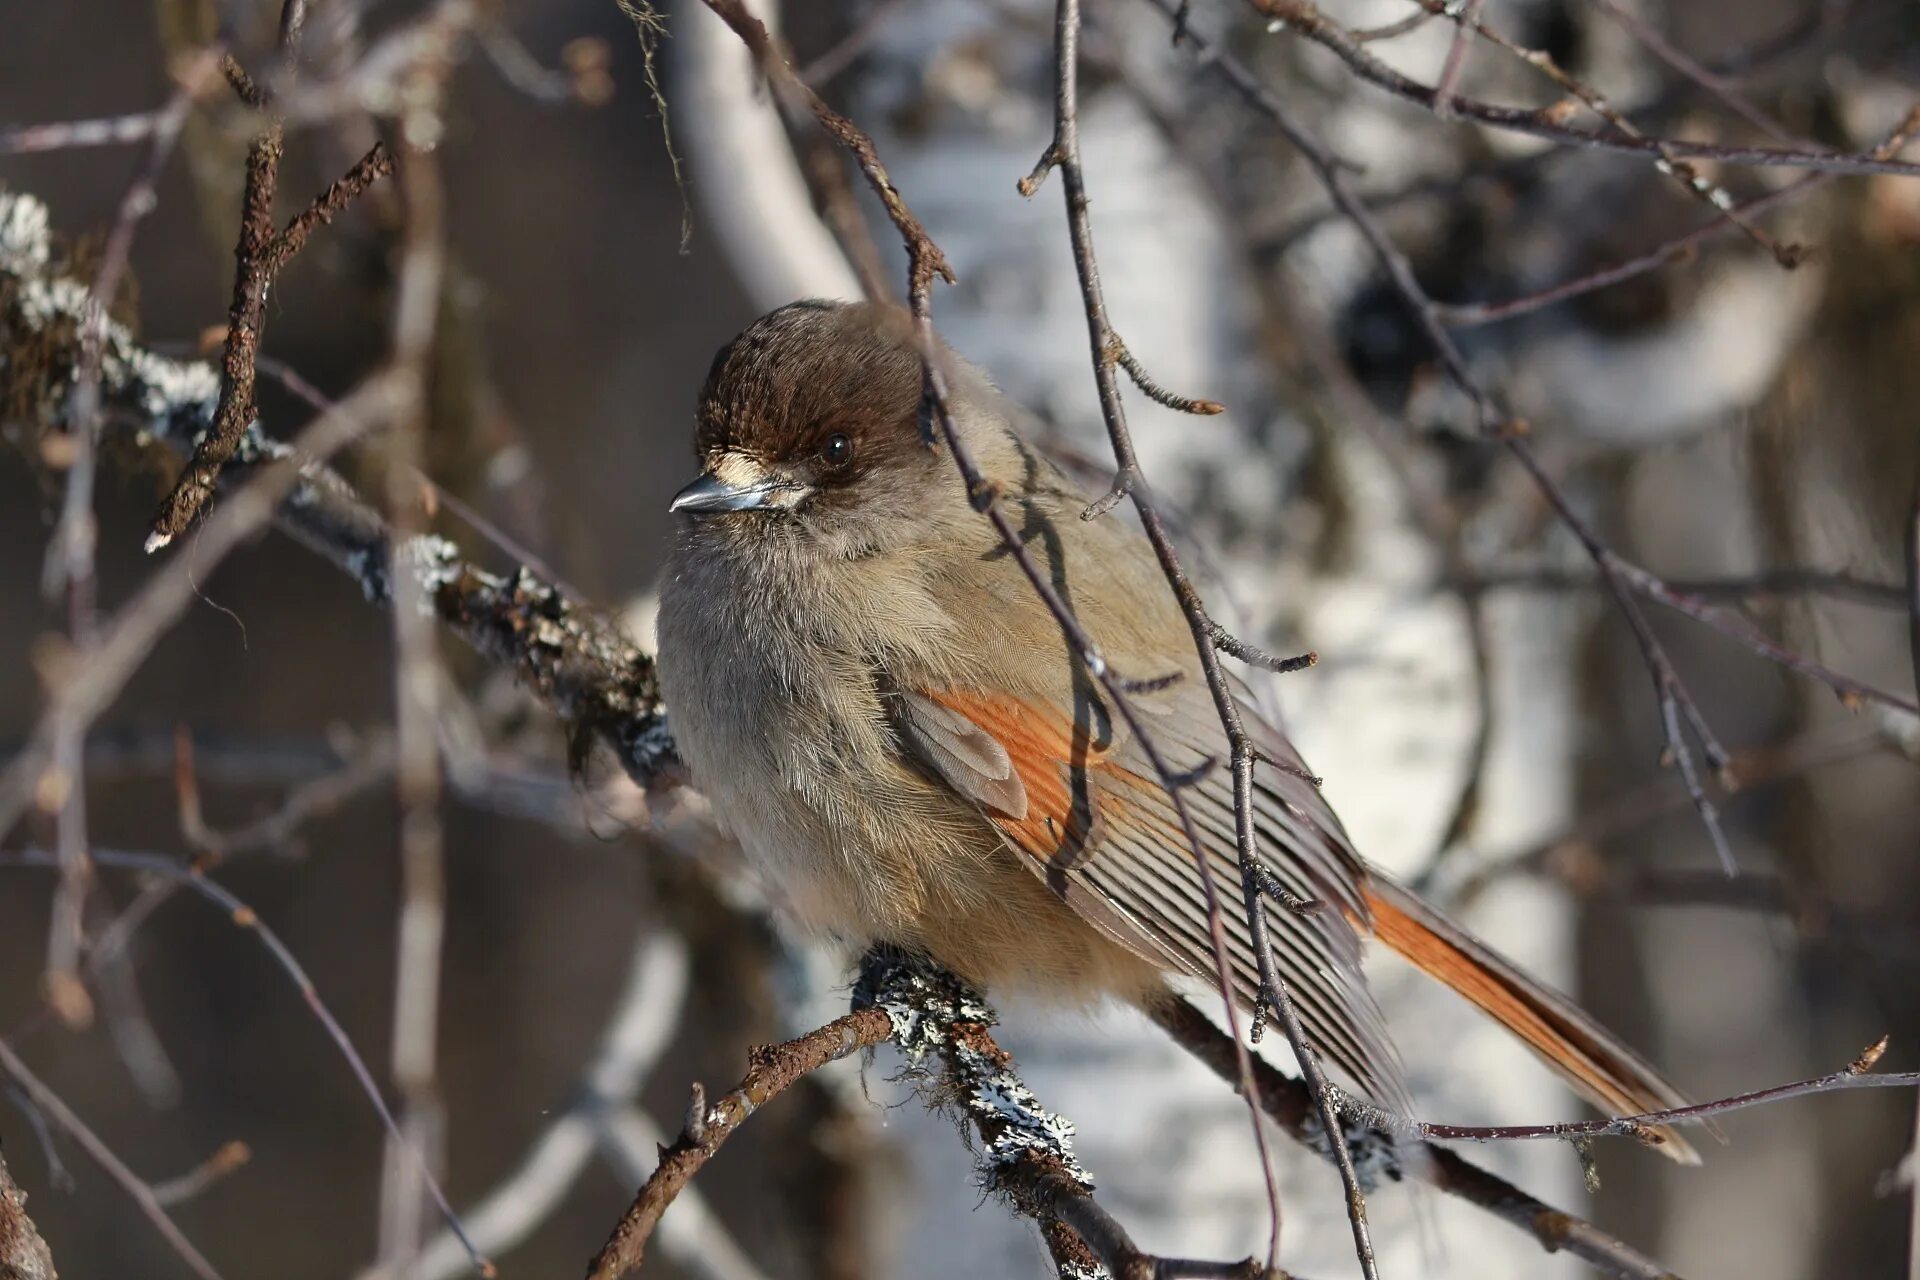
1600 1068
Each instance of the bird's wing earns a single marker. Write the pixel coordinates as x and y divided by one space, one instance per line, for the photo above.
1090 816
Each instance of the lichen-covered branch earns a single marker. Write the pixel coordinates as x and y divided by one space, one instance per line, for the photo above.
1023 1152
574 659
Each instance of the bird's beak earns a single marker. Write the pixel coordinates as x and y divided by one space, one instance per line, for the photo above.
735 483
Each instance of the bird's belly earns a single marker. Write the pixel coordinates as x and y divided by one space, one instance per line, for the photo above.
849 839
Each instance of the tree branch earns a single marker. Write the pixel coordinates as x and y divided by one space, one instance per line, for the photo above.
23 1254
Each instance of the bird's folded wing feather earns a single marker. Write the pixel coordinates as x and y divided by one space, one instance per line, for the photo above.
1080 801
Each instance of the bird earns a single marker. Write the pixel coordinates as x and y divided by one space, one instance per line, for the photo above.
883 711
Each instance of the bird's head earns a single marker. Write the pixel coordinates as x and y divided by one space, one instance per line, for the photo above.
808 434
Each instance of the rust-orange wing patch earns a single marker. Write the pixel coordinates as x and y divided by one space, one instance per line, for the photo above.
1063 766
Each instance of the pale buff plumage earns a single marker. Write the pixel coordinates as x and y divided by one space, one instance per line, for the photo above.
881 709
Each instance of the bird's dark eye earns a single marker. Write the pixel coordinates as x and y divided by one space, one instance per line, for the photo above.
837 451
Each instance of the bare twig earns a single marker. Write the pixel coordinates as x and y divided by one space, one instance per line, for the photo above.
1456 63
229 1158
1294 1106
1307 20
246 316
66 135
1063 153
1763 584
1858 1074
418 680
774 1069
1468 314
98 672
242 916
325 207
260 253
135 1187
1678 59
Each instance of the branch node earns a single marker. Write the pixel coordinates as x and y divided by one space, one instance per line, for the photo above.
1036 178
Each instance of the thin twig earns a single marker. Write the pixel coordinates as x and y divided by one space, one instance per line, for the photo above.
135 1187
1858 1074
1677 58
1456 63
1307 20
1468 314
259 254
246 316
774 1069
1762 584
418 680
1063 153
1294 1107
99 672
228 1159
245 917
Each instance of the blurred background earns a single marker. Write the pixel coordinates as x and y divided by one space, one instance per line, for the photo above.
1483 716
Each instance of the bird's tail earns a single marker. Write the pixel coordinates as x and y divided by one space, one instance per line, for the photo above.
1588 1056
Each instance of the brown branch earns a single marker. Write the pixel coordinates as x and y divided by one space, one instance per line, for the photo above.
1294 1106
945 1031
1678 713
1456 63
1063 153
772 1070
1464 315
241 916
23 1254
260 253
1858 1074
136 1188
1715 84
1305 19
246 317
328 205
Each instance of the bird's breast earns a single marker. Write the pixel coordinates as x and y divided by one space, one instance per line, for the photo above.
774 690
